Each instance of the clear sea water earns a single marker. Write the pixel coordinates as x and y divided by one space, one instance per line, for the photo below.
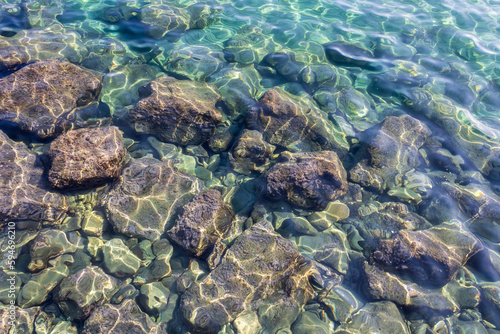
437 61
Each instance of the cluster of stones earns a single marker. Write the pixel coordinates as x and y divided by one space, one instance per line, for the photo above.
279 212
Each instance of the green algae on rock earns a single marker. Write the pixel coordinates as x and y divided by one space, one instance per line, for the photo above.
177 111
146 198
37 289
203 222
79 294
307 180
24 194
49 244
260 265
119 259
42 97
86 158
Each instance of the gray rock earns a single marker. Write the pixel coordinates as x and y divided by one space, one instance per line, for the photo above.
260 269
204 221
147 196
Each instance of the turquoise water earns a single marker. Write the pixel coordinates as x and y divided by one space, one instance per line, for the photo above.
397 231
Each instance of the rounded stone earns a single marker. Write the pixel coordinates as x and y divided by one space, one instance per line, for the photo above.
119 259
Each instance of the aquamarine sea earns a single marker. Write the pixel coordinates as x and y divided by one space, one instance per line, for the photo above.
250 167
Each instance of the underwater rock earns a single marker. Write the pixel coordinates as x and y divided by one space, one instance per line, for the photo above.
119 259
94 223
431 257
357 107
36 290
162 19
154 298
239 87
475 138
480 205
381 285
334 212
329 248
490 302
49 244
391 153
346 54
41 44
23 321
106 53
249 45
195 62
309 69
147 196
295 124
24 194
177 111
118 319
340 303
42 97
120 87
312 320
259 266
307 180
204 221
159 268
86 158
376 318
247 323
250 153
79 294
375 221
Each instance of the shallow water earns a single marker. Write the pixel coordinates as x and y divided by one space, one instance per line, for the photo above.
405 240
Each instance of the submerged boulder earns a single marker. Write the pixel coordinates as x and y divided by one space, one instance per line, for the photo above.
54 41
250 153
49 244
307 180
79 294
430 257
24 194
391 153
376 318
295 124
124 318
42 98
261 269
147 196
204 221
177 111
86 158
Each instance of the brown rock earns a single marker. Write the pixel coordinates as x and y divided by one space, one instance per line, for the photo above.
177 111
295 124
42 97
307 180
432 256
86 158
24 193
